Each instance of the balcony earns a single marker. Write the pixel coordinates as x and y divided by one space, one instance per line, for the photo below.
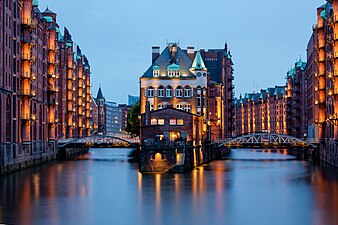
28 23
51 48
53 89
25 116
28 92
28 57
51 75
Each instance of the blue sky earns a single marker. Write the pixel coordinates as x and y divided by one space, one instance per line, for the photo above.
265 37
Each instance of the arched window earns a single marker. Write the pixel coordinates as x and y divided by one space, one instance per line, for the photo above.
150 92
187 92
179 92
160 91
169 92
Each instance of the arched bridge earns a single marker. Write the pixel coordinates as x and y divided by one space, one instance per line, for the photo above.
99 141
267 140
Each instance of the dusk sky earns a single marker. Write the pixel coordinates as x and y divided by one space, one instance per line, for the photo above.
265 37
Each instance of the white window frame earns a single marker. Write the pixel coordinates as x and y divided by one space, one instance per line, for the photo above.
187 108
156 73
179 92
160 92
187 92
150 92
169 92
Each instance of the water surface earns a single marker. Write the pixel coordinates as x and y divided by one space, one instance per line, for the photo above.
102 187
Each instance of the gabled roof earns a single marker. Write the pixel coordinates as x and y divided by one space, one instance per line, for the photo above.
165 59
198 63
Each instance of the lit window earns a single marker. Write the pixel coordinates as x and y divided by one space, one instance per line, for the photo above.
156 73
160 91
187 92
179 121
160 122
172 121
153 121
150 92
169 92
179 92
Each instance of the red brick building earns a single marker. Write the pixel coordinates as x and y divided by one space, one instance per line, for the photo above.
172 125
199 82
261 112
44 84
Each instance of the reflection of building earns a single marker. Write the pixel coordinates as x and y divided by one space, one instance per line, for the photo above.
261 112
198 82
44 85
132 100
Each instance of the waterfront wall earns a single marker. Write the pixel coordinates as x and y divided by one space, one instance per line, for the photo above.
329 153
175 159
14 157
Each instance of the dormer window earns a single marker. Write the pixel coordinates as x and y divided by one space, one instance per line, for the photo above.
156 71
174 70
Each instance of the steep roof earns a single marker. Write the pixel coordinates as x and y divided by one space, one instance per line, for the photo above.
198 63
99 94
165 59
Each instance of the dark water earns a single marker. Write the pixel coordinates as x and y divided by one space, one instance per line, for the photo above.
251 187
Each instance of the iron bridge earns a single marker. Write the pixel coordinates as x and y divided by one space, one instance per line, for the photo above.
267 140
99 141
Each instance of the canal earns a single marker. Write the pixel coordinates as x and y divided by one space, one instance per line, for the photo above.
102 187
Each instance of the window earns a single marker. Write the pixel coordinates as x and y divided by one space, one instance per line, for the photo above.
160 106
151 107
179 92
156 73
160 92
187 108
150 92
172 122
160 122
187 92
180 122
180 107
169 92
153 121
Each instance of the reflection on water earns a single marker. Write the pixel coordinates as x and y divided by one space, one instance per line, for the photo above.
101 187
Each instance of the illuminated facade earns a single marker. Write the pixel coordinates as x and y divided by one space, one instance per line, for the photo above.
261 112
198 82
326 73
297 100
36 62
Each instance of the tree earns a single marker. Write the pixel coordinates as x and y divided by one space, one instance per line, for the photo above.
133 122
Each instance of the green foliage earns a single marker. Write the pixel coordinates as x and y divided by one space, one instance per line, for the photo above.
133 122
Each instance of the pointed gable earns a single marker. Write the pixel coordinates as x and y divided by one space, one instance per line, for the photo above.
198 63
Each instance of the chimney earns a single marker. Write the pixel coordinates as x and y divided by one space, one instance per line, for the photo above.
155 53
191 52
